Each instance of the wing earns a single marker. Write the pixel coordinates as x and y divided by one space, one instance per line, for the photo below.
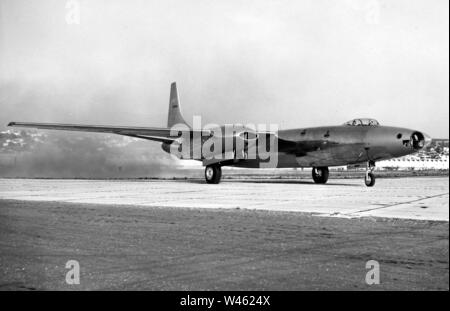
150 133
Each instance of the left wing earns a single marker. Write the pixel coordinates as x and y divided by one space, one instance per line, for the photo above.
150 133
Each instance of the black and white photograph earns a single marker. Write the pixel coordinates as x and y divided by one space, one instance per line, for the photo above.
224 151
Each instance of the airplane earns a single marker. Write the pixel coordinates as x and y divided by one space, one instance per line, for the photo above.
356 142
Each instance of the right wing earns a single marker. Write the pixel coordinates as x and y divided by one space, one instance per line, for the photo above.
150 133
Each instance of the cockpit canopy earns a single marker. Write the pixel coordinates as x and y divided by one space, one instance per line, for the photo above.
362 122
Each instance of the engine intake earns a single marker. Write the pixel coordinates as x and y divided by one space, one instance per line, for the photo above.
417 140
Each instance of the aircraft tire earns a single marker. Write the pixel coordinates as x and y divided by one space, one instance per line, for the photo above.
320 174
213 173
369 179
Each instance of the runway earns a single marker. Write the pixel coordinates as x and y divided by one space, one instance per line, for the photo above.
238 235
425 198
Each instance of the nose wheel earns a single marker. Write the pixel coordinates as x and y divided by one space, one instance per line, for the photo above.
369 179
213 173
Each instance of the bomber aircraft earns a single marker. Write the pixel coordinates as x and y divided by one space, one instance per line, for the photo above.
359 141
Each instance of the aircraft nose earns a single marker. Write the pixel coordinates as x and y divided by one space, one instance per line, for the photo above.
419 140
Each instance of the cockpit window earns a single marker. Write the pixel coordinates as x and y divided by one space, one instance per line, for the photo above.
362 122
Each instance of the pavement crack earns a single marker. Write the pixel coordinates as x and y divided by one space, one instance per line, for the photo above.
396 204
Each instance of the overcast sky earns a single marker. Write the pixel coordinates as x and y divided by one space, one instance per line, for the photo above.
295 63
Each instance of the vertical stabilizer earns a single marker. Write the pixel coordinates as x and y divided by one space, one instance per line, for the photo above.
175 116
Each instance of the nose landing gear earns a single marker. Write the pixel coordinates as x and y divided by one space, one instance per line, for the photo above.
369 179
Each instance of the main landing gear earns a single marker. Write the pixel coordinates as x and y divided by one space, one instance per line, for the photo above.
213 173
320 174
369 179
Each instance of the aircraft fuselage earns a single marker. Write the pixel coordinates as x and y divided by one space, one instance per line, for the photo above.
345 145
317 146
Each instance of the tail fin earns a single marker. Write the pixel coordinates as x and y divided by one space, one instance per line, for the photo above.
175 116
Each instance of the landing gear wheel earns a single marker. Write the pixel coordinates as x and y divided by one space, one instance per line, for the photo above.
213 173
369 180
320 174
